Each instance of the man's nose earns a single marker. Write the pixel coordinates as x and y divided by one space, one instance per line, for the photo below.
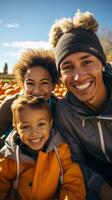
78 74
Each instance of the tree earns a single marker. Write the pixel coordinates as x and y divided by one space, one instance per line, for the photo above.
106 40
5 68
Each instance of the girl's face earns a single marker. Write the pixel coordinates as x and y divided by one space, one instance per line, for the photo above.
33 126
82 75
38 82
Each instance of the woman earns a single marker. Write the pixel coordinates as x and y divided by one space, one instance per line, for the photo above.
37 75
84 116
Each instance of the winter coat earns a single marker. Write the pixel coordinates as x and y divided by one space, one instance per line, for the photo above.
38 180
6 113
88 133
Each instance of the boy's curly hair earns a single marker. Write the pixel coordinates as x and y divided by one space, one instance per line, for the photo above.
80 20
28 101
34 58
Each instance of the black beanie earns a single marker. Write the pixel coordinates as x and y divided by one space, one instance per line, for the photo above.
76 41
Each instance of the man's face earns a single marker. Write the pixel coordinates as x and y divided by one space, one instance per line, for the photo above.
82 74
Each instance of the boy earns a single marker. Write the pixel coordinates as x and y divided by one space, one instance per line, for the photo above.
35 160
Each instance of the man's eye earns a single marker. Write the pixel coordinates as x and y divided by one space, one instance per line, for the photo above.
66 69
87 62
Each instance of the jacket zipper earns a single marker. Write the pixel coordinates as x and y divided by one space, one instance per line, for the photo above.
102 140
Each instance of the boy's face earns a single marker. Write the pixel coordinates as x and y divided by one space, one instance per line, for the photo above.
33 126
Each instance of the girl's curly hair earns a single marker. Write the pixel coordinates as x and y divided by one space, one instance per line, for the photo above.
80 20
34 58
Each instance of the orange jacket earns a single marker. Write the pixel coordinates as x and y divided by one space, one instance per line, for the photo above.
38 180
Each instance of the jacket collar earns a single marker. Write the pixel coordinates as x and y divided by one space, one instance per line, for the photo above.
10 146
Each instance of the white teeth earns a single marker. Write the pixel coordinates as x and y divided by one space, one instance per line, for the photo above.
36 140
40 97
83 86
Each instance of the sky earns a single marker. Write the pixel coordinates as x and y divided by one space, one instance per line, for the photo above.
26 23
